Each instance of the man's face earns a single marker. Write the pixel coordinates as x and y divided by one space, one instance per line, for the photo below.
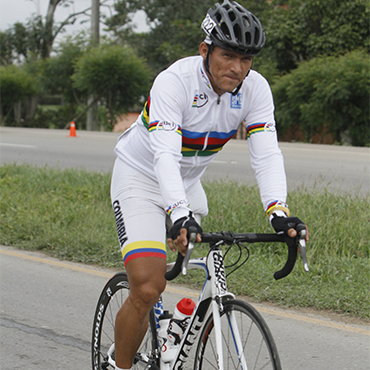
228 69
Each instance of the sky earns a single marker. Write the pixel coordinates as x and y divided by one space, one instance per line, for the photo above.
12 11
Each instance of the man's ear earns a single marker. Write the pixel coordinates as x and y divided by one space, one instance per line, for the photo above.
203 49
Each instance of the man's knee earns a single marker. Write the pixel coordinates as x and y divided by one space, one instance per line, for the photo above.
147 281
147 293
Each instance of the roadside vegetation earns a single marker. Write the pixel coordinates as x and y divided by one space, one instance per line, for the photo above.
316 59
67 214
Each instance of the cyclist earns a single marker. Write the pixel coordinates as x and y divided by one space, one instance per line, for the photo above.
194 108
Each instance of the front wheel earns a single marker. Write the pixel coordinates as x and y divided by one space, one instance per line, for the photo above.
257 344
111 300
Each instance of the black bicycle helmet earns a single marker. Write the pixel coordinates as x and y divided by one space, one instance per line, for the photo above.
231 26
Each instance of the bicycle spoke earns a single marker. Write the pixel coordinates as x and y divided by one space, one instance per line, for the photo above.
251 333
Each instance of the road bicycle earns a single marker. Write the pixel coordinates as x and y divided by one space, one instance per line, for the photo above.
227 333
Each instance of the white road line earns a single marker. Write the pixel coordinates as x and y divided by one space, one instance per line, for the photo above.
18 145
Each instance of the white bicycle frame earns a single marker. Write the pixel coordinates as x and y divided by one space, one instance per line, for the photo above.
214 290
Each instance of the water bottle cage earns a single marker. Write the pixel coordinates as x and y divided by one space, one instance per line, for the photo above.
176 329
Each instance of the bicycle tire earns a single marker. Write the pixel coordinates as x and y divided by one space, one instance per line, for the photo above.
110 301
259 347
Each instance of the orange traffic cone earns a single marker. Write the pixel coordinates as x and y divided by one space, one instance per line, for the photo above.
72 130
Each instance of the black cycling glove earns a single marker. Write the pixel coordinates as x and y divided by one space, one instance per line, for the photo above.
283 224
184 222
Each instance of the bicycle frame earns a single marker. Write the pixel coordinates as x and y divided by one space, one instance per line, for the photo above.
213 293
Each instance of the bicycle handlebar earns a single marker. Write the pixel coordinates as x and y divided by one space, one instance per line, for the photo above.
229 238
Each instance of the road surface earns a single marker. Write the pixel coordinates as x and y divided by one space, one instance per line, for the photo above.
47 307
335 168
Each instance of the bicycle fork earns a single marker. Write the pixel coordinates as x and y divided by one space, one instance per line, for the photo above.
216 268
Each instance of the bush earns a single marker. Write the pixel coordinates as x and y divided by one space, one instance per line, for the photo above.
330 92
115 75
16 85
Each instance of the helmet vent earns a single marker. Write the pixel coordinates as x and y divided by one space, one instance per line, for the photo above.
238 33
246 22
256 36
225 31
232 16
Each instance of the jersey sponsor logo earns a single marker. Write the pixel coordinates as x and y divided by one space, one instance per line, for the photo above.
177 204
165 126
121 228
169 126
236 101
200 100
270 127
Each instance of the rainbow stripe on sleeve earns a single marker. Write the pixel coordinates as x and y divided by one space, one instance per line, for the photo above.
255 127
277 205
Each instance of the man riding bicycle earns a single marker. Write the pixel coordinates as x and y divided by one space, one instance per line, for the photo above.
195 106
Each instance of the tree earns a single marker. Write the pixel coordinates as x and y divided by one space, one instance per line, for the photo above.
327 92
35 38
57 73
16 85
298 30
115 75
175 27
175 31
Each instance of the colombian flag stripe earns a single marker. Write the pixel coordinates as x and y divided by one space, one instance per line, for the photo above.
144 248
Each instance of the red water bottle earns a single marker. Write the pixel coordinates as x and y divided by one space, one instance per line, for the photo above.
180 319
176 329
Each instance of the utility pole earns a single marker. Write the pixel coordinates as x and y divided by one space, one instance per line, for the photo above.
92 113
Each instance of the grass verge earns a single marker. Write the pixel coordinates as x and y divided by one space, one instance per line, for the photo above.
68 215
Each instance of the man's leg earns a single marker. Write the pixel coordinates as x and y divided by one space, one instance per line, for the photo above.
147 282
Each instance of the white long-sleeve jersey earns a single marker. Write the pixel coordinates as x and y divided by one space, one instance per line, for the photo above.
185 123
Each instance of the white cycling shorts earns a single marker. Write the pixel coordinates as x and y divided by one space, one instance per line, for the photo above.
140 212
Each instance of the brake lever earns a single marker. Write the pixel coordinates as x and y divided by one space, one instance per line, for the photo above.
302 247
192 239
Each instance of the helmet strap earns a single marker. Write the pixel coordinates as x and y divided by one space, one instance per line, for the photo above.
206 63
240 85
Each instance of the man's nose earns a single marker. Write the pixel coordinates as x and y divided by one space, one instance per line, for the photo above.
237 66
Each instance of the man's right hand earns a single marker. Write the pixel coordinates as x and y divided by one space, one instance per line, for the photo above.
286 225
178 234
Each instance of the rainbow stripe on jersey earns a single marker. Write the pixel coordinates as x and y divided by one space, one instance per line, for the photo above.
204 143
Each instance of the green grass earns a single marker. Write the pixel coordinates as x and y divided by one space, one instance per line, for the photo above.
67 214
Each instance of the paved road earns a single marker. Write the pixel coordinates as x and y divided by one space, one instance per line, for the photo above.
47 308
336 168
